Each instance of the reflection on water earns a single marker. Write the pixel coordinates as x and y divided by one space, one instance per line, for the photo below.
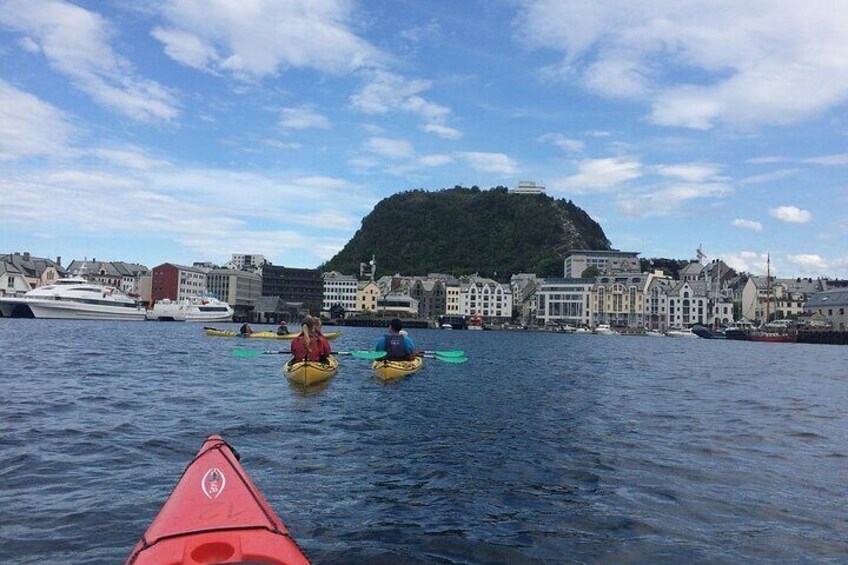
543 448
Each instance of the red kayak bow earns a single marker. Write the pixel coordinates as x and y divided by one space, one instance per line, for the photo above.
216 515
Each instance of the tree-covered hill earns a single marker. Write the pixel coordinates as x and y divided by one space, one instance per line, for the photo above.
466 230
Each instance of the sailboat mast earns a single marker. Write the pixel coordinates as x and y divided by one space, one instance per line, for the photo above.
768 285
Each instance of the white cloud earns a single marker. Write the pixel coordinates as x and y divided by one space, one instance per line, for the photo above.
444 132
435 160
257 38
391 148
668 198
564 143
791 214
747 261
811 263
830 160
692 172
768 177
599 175
489 162
75 42
303 117
752 225
131 157
30 125
756 62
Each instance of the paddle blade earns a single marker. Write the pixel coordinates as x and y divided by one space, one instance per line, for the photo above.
457 353
455 360
369 355
251 353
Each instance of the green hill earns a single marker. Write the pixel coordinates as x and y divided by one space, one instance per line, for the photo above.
466 230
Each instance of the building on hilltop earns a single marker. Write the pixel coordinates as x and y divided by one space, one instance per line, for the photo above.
528 187
607 262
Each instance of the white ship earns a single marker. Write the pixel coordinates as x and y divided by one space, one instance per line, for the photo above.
195 309
73 299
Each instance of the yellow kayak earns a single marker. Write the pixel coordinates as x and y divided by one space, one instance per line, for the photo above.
260 335
307 373
386 370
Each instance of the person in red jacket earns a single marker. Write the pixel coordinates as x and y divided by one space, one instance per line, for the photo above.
307 345
318 333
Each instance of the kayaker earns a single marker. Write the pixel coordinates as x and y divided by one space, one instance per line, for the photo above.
318 333
283 329
308 346
398 347
245 329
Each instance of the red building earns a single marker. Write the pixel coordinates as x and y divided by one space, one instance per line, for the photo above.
176 282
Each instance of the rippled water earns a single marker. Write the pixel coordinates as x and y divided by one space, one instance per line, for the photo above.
544 448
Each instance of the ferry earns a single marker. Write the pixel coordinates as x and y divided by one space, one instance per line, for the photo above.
195 309
73 298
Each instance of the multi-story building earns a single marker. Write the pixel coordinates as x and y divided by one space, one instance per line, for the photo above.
397 303
564 302
37 271
366 296
688 304
528 187
607 262
767 299
339 291
120 274
239 289
176 282
294 285
453 292
12 280
246 262
656 301
832 304
487 298
619 300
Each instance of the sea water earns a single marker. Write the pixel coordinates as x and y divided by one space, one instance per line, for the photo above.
543 448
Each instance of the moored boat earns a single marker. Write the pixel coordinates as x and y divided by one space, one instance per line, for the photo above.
772 337
604 329
705 333
196 309
386 370
680 332
308 373
216 515
73 299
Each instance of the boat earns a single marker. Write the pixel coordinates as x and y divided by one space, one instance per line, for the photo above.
654 333
260 335
446 327
680 332
772 337
195 309
779 331
216 515
73 298
604 329
308 373
475 322
707 333
386 370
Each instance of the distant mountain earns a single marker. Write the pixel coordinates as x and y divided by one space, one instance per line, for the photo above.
466 230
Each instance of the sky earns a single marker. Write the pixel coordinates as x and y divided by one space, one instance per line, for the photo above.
188 130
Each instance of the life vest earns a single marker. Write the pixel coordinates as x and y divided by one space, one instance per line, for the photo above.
395 348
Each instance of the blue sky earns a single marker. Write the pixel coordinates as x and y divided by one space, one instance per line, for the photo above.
187 130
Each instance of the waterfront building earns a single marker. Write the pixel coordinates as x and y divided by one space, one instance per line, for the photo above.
607 262
687 304
37 271
485 297
239 289
832 305
564 301
120 274
781 298
339 292
453 293
176 282
524 287
294 285
12 280
367 295
656 301
619 300
528 187
398 304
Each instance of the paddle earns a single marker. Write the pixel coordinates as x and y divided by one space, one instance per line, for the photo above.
251 353
447 353
454 360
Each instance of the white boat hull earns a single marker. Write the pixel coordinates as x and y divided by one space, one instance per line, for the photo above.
68 310
188 312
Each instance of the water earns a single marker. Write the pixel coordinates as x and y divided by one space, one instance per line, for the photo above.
544 448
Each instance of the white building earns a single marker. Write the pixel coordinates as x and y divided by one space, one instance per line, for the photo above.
688 304
528 187
245 261
339 290
564 301
397 304
236 288
485 297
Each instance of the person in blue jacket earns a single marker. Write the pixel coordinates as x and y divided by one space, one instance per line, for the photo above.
398 347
